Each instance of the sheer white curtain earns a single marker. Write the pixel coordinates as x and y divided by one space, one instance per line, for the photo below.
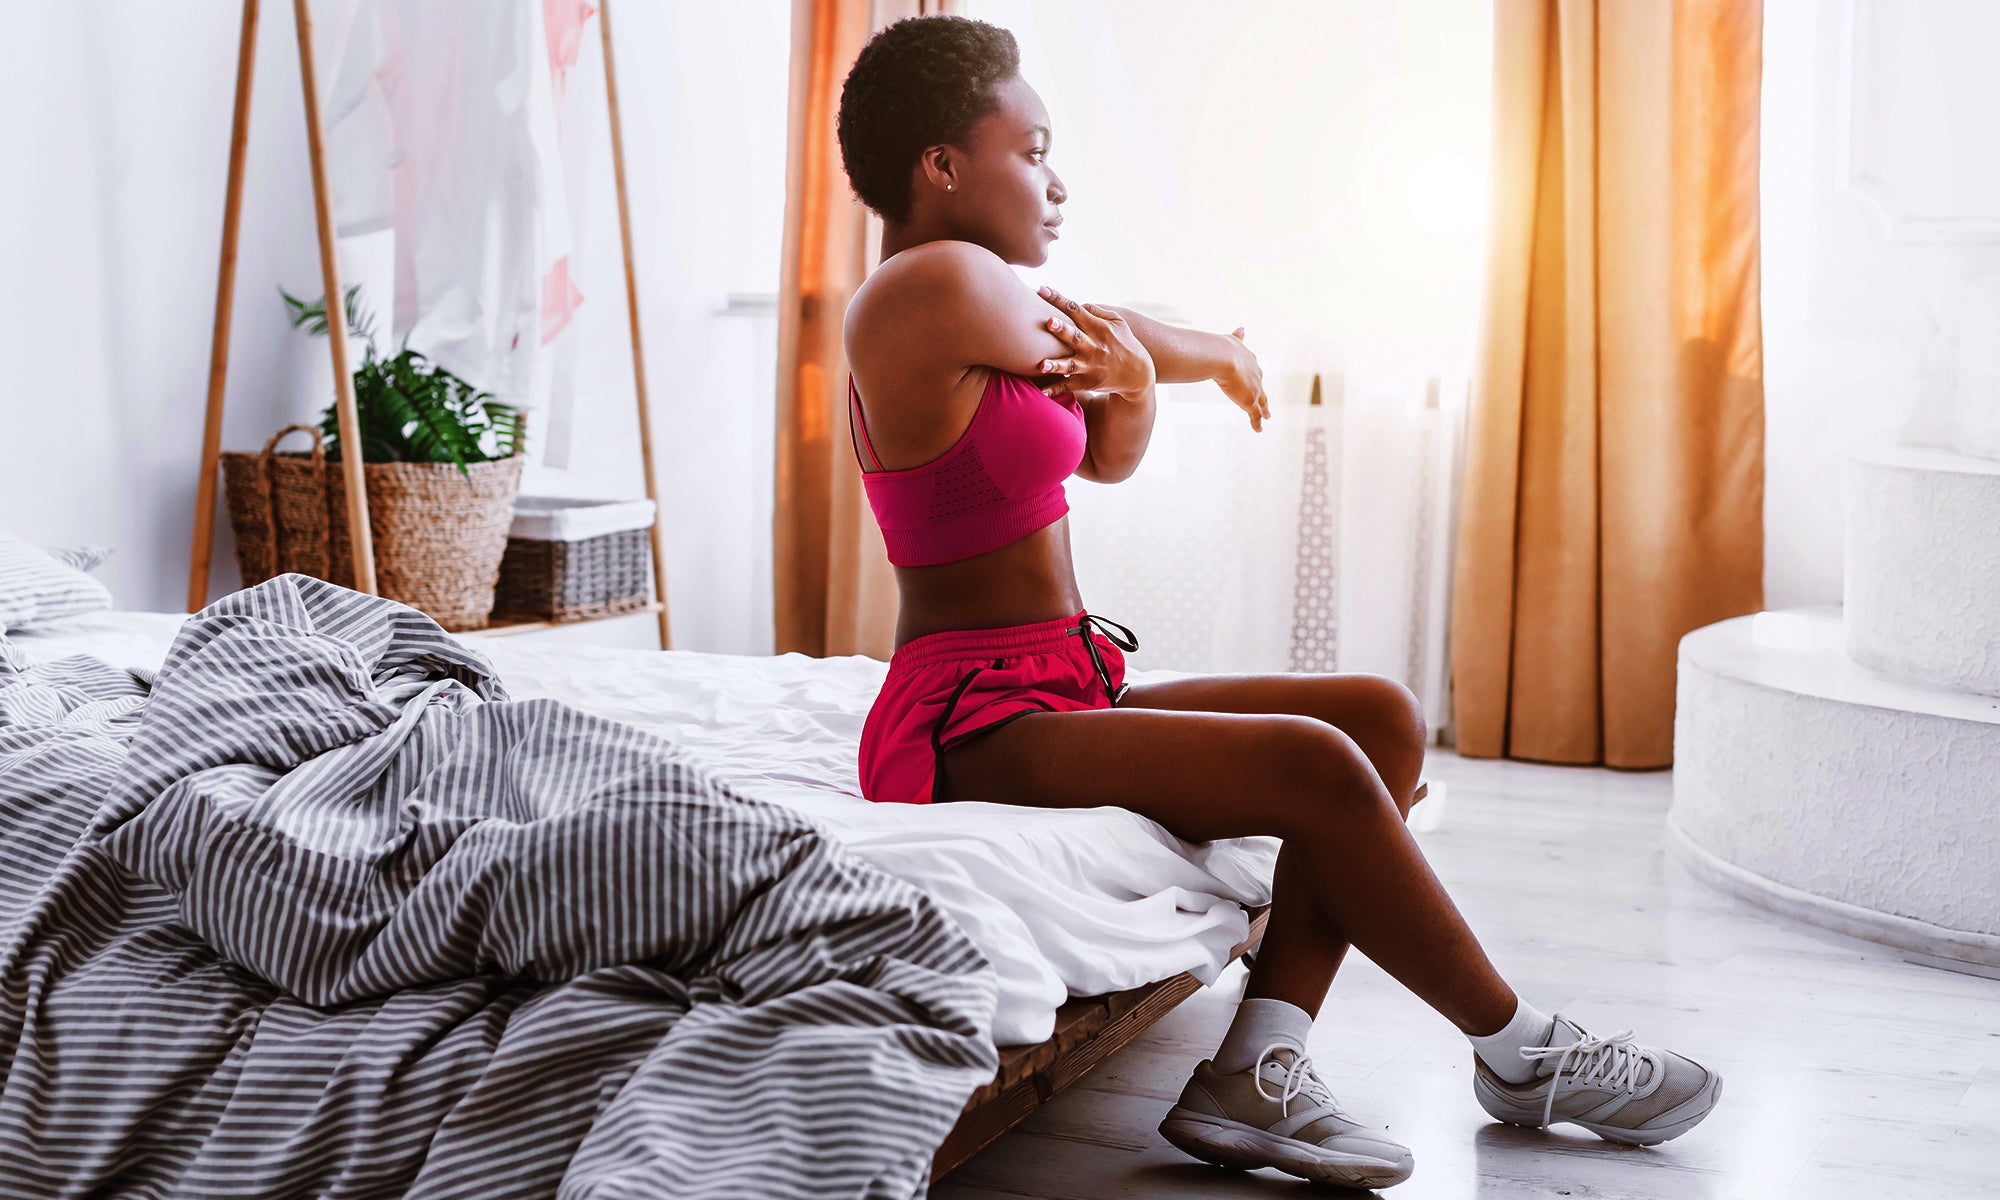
1314 172
1320 544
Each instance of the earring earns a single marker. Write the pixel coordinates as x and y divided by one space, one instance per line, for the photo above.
947 187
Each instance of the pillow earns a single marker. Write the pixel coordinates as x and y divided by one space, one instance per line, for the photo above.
36 587
83 558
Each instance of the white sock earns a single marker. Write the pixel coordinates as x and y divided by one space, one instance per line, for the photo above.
1501 1051
1256 1025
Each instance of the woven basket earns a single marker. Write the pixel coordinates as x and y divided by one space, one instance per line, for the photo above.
592 577
438 538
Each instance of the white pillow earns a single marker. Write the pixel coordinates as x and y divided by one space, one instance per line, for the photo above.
83 558
36 587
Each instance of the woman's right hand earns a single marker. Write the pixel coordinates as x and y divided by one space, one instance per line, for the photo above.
1104 354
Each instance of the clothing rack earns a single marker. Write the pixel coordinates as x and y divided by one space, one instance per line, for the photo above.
343 379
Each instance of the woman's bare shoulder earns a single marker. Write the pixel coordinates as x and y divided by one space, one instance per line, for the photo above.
954 300
920 275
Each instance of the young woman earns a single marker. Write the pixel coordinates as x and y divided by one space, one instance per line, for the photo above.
971 400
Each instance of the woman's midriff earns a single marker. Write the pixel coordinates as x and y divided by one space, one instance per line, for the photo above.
1020 583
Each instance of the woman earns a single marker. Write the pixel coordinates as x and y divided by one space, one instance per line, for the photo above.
973 400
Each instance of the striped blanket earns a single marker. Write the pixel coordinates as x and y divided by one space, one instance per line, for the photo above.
318 911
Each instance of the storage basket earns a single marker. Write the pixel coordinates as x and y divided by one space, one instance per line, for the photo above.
575 560
438 537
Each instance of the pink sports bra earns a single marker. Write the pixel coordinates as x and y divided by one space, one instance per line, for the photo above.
1001 481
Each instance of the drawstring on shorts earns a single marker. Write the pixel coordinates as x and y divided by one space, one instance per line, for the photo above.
1128 643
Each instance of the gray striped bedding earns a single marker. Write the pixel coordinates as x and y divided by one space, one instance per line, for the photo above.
40 586
318 911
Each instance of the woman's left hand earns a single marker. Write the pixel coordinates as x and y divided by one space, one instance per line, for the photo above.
1104 354
1243 383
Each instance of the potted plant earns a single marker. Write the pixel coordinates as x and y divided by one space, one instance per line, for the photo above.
442 461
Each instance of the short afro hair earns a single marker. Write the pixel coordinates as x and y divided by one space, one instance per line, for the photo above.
920 82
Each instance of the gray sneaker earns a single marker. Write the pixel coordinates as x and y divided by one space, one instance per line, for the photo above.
1610 1086
1245 1120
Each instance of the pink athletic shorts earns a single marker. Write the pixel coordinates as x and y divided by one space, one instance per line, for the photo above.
945 688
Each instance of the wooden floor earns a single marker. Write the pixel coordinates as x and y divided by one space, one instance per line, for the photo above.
1849 1073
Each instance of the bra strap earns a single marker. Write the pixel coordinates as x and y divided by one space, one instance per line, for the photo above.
860 421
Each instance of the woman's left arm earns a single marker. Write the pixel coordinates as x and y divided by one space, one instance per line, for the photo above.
1182 355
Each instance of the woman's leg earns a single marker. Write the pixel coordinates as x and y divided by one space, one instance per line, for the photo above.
1207 774
1302 949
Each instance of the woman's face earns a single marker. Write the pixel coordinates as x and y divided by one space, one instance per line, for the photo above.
1004 194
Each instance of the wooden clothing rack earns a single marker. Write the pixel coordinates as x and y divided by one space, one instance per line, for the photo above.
343 378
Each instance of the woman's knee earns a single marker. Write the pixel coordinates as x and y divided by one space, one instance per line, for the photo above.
1398 737
1317 773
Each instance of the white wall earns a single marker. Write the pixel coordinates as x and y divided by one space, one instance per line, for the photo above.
115 136
1881 203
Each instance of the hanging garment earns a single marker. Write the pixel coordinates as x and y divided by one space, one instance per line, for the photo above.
565 21
442 125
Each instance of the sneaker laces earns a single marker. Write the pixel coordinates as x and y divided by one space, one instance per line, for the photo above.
1613 1060
1300 1079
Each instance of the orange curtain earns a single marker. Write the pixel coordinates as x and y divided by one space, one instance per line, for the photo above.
1614 481
836 592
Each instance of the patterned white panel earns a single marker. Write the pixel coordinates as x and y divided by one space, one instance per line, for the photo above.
1316 578
1194 551
1320 544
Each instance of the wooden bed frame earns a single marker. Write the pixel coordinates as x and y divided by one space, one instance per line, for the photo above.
1089 1029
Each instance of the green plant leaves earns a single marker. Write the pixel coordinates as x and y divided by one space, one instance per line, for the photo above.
312 316
410 409
509 437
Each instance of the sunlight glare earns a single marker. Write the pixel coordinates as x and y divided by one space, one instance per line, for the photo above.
1443 194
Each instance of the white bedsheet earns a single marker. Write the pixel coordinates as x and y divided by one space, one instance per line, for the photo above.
1062 901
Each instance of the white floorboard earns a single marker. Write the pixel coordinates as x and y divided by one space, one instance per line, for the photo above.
1849 1072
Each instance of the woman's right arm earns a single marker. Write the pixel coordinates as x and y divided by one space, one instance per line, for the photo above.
961 305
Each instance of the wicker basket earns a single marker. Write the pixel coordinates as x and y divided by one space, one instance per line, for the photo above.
437 538
561 579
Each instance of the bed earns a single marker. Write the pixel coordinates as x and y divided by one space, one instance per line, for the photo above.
1095 921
